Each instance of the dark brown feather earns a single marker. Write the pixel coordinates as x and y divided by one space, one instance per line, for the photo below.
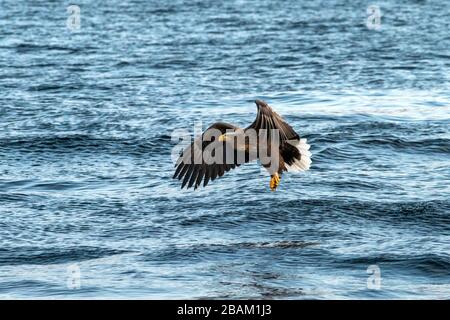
192 173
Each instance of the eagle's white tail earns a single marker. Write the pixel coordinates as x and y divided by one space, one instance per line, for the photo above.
304 162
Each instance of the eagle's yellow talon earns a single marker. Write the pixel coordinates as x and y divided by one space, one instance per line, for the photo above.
274 182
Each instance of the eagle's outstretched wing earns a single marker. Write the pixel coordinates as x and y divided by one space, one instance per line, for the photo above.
195 165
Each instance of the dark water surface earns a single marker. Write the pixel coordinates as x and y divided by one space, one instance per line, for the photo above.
85 149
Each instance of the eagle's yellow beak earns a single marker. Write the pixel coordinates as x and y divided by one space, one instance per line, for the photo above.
222 138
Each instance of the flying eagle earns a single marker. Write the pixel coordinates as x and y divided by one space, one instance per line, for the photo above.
222 147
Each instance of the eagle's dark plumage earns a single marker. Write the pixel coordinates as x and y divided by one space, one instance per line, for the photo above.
195 165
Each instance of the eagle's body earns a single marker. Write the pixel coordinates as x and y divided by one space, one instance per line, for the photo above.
224 146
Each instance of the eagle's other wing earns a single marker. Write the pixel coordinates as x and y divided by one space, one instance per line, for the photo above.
269 119
294 151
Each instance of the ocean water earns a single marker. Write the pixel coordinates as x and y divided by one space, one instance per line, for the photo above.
88 206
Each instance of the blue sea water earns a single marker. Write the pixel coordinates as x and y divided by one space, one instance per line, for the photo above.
88 208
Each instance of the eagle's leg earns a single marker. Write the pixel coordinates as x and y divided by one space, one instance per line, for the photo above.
274 181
